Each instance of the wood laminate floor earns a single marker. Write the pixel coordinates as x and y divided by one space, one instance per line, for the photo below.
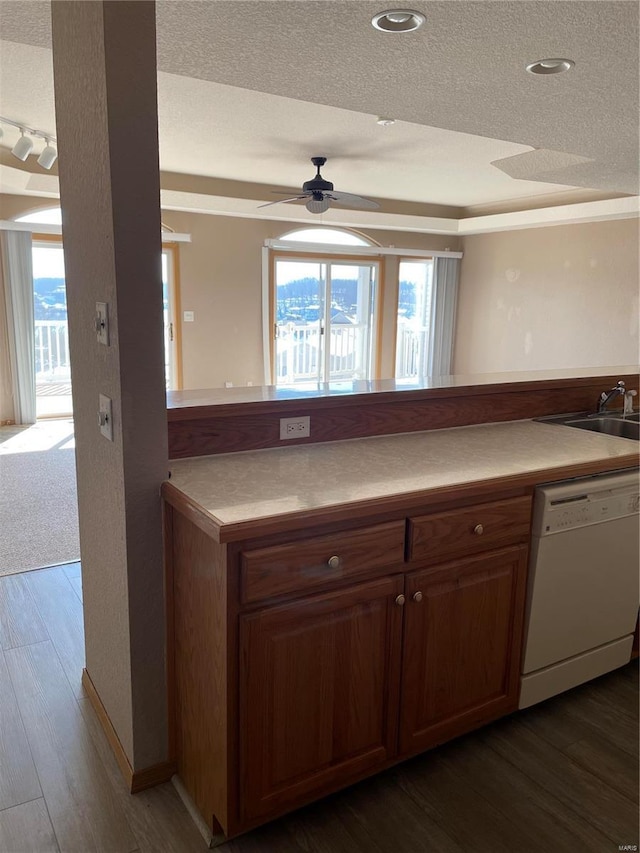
562 776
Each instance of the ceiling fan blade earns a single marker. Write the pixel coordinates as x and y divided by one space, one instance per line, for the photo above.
349 200
283 201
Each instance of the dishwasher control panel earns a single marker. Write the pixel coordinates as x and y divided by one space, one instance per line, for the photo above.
561 507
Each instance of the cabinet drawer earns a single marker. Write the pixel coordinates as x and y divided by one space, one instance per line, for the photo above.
458 532
314 562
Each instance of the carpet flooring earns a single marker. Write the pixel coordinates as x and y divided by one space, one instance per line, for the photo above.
38 500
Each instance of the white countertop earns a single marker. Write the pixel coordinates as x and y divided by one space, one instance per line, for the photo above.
236 488
177 400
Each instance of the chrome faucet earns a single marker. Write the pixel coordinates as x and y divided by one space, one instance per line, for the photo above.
606 396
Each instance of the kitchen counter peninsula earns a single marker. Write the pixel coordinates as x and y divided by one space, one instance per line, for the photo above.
206 422
295 487
336 608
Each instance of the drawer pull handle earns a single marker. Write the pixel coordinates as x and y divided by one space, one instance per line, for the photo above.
400 600
333 562
478 530
417 596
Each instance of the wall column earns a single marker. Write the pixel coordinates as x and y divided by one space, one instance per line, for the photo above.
104 56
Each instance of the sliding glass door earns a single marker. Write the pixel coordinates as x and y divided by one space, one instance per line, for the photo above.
325 319
52 364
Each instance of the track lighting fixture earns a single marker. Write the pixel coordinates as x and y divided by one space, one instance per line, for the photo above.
24 145
48 157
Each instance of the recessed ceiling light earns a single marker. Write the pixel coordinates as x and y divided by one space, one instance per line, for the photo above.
550 66
398 21
385 122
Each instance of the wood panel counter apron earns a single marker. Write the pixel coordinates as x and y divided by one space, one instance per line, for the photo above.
335 608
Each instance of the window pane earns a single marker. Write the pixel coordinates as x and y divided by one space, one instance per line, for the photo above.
299 317
51 216
414 318
352 301
51 336
326 236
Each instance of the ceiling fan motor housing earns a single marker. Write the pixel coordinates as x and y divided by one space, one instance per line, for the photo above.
318 184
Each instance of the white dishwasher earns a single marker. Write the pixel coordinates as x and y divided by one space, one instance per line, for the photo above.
583 593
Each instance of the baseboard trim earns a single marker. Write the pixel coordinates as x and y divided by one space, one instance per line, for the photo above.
136 780
152 776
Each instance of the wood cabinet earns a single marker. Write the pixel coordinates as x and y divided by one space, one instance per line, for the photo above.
463 636
302 663
318 692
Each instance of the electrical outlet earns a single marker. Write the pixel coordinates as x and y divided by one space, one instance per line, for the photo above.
295 428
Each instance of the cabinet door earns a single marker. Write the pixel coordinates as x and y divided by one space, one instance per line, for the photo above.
319 682
462 644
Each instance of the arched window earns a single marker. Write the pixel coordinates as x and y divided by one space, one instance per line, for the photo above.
48 216
53 216
326 236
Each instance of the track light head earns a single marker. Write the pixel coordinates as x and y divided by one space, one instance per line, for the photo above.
23 147
48 156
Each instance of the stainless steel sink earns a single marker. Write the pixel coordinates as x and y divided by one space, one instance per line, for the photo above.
609 426
613 424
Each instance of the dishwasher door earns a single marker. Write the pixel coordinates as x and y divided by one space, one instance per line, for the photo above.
583 589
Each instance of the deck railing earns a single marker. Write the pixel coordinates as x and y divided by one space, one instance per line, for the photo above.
410 351
300 353
52 350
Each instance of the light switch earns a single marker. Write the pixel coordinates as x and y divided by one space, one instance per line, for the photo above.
102 323
188 316
105 417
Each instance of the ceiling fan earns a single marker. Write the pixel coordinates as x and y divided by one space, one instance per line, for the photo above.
320 194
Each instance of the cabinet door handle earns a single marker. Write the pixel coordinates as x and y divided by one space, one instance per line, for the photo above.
400 600
417 596
333 562
478 530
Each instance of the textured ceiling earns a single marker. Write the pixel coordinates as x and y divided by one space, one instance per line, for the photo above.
458 79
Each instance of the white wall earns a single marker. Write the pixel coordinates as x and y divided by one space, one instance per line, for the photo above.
543 298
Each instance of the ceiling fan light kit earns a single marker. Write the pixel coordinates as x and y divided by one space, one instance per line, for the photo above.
318 205
319 194
398 21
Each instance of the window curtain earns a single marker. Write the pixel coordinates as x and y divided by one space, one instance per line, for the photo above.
443 315
17 278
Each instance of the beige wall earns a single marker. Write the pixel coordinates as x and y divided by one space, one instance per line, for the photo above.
565 296
221 282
